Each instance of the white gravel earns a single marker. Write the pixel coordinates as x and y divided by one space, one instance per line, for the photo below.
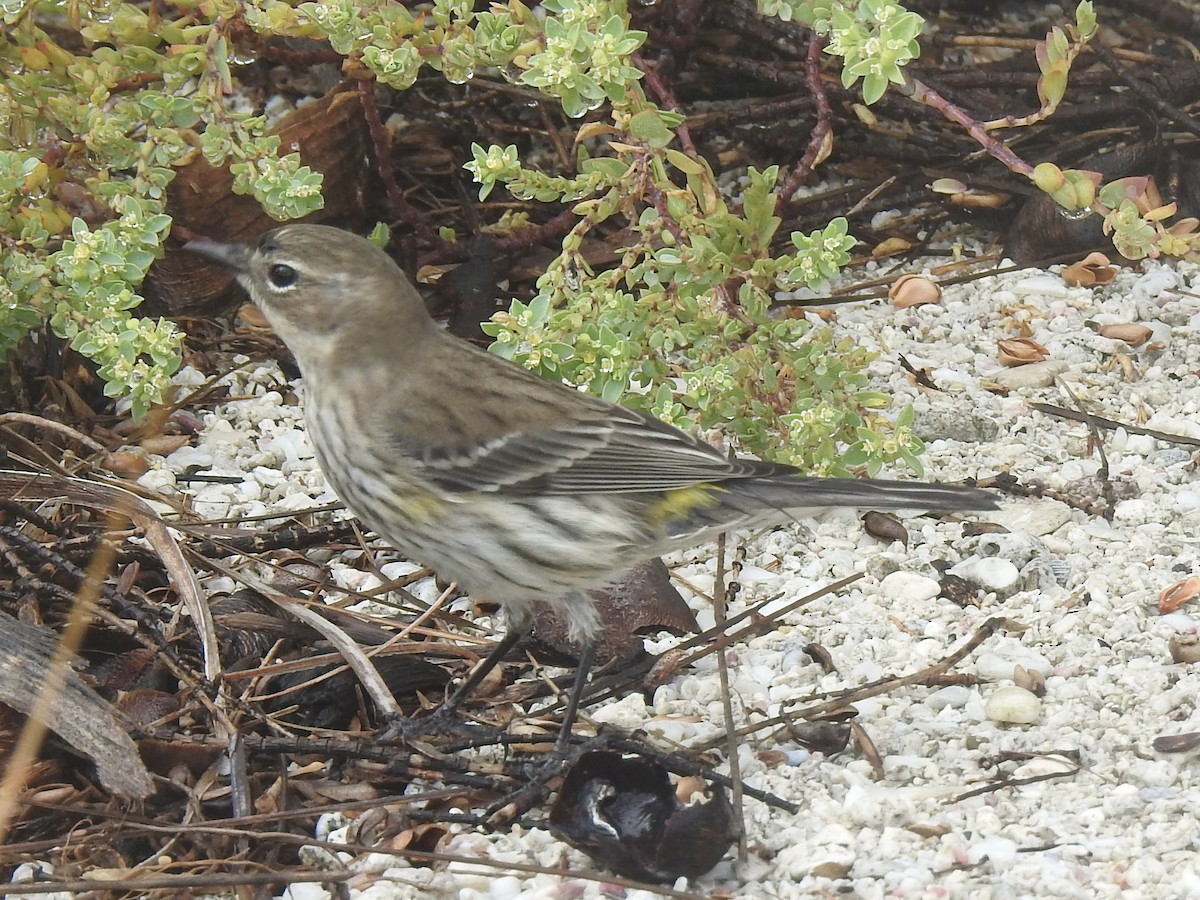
1080 593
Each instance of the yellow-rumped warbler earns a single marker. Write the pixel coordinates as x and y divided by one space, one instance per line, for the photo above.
522 490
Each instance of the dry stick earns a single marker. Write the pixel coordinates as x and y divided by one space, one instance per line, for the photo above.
108 497
113 618
922 93
1110 499
239 547
15 418
30 739
768 621
721 593
182 883
382 142
1111 424
1145 91
881 686
667 98
1014 783
367 674
715 639
834 299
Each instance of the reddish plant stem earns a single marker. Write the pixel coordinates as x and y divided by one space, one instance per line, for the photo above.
922 93
667 99
821 139
387 172
534 235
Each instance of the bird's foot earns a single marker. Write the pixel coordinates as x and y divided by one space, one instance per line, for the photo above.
537 787
540 777
442 722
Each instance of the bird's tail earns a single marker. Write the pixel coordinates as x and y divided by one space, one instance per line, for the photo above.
772 500
861 493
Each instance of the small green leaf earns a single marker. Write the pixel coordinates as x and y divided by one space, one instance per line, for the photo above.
648 127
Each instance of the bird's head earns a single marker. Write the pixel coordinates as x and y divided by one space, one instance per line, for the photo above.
322 287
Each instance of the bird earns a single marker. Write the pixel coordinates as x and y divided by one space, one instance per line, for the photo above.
523 490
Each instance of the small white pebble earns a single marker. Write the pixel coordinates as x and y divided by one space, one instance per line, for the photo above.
1014 705
991 573
908 587
1034 375
953 696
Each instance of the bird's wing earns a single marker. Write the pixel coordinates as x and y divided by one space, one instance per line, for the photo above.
612 450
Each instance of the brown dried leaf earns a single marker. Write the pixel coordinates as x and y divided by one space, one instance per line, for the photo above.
331 135
1092 269
644 600
1021 351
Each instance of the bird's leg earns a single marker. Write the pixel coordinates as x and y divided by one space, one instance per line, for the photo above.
508 808
443 719
481 671
587 653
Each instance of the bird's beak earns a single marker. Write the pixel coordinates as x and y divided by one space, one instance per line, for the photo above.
234 257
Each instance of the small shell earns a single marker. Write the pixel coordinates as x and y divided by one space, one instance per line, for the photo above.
914 290
1021 351
1176 595
890 247
1131 333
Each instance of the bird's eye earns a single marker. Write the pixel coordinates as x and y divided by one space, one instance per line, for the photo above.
282 276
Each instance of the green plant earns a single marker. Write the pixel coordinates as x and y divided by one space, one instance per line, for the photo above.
89 137
683 326
88 140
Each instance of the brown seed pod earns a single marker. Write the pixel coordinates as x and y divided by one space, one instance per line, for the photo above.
890 247
885 527
914 290
1132 333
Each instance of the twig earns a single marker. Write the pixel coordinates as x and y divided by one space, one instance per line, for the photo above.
1110 499
722 593
387 172
1145 91
1101 422
880 686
